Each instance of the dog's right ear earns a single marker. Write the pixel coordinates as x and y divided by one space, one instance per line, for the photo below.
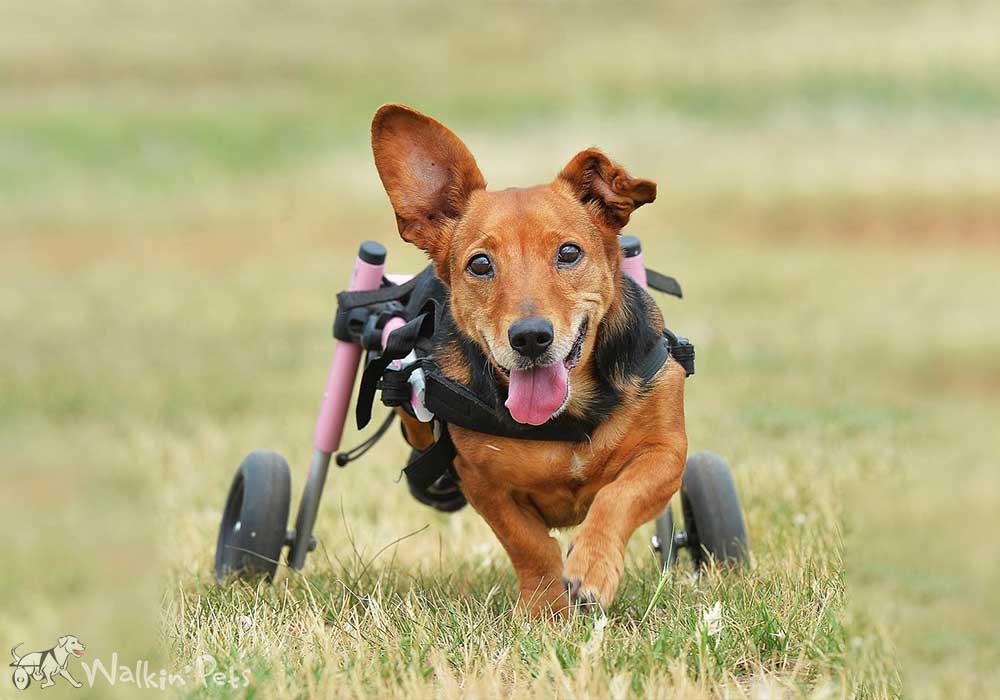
62 641
428 173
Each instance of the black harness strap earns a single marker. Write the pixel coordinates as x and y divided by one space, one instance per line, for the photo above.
398 345
389 292
432 462
653 361
663 283
682 351
455 403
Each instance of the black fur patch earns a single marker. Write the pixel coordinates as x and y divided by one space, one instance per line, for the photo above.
620 346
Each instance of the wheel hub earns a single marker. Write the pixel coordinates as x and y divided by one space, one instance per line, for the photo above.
680 540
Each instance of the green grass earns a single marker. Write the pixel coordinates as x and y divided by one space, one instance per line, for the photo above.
181 193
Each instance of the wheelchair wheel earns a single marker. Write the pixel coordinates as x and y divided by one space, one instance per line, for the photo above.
21 678
713 518
255 519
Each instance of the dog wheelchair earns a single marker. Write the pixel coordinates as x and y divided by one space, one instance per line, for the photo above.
23 674
25 671
392 319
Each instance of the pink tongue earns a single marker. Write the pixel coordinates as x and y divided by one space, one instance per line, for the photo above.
535 394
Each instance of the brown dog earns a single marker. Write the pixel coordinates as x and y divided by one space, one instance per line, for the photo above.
536 287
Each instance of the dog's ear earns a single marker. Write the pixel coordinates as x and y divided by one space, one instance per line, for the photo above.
610 193
428 174
62 641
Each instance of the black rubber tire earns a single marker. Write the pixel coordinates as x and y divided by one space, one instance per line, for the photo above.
665 530
713 518
255 517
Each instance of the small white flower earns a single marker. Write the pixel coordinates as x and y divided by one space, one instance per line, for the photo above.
246 622
593 645
799 520
600 623
712 618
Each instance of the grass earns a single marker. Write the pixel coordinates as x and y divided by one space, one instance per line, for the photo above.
179 202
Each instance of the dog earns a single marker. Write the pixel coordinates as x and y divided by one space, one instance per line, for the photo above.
46 664
536 288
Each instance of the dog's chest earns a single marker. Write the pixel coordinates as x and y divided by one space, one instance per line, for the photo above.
532 465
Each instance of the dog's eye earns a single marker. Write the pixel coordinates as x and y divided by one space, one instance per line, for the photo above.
569 254
480 266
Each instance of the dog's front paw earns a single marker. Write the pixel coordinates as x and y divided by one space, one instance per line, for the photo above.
593 571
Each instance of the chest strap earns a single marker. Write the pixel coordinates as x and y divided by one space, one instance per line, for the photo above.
453 402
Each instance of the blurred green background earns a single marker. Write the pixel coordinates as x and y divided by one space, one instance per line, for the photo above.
183 186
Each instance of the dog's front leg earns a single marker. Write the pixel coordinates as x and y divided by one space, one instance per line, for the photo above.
64 672
640 493
535 554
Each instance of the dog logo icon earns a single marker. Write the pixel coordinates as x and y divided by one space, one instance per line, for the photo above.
43 665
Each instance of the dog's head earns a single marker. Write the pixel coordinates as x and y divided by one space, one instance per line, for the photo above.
72 645
531 271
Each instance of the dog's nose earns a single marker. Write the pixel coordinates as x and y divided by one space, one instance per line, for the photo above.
531 336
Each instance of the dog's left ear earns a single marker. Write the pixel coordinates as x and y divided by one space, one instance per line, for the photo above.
610 193
62 641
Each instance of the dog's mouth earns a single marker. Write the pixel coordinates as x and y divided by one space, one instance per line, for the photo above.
573 358
78 652
538 393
